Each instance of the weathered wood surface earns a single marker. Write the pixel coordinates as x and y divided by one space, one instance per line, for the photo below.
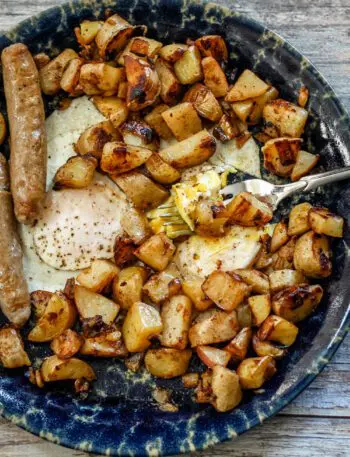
317 423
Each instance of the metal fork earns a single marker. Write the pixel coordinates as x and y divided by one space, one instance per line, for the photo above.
276 193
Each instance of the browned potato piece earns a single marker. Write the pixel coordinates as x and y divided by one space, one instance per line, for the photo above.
190 380
156 251
141 324
170 86
296 303
182 120
283 258
248 85
204 393
167 363
98 78
161 286
226 291
284 119
245 209
275 328
51 74
304 164
255 371
92 140
89 30
145 47
214 77
227 129
258 280
55 369
190 152
212 356
210 218
212 327
108 344
244 316
98 276
123 89
90 304
281 279
260 306
324 222
299 219
176 317
279 237
127 286
212 46
136 225
259 103
112 107
3 129
193 289
39 300
225 385
59 315
113 35
12 353
264 348
280 155
188 68
76 173
172 52
312 255
70 77
156 121
242 109
118 157
142 191
143 83
239 346
161 171
67 344
139 133
124 251
204 102
264 259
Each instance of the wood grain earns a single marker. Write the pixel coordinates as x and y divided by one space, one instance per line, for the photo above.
317 423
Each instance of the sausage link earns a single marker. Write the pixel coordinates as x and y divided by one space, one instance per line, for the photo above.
26 115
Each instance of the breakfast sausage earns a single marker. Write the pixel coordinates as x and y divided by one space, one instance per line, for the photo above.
14 296
26 115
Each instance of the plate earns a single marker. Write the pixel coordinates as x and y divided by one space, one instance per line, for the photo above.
119 416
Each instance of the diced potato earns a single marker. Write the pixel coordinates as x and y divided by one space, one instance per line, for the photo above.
156 251
124 251
304 164
284 119
88 30
3 129
204 393
324 222
182 120
264 259
176 317
108 344
212 46
12 353
112 107
127 286
245 209
67 344
188 68
161 171
136 225
210 218
92 140
204 102
190 380
266 348
99 78
226 389
55 369
161 286
190 152
156 121
258 280
280 279
167 363
139 133
296 303
255 371
212 356
98 276
299 219
226 129
39 300
226 291
142 323
122 89
172 52
279 237
283 258
280 155
244 316
242 109
239 346
59 315
76 173
145 47
214 326
214 77
113 35
51 74
170 86
248 85
259 103
275 328
91 304
118 157
260 306
70 77
142 191
312 255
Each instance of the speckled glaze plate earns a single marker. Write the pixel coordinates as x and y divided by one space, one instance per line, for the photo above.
119 416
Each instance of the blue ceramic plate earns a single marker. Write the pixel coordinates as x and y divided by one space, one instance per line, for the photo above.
119 417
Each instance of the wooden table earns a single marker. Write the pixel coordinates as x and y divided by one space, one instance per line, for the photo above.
317 423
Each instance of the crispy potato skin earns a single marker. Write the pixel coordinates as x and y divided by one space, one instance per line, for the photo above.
214 77
76 173
170 87
55 369
204 102
113 35
312 255
94 138
255 371
212 46
245 209
118 157
280 155
283 118
156 251
67 344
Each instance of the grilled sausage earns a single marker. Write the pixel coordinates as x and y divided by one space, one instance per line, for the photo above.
14 296
27 128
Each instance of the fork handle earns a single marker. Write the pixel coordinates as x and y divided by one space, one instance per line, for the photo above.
314 181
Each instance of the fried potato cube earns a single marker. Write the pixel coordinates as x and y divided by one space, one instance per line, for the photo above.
176 317
142 323
238 347
167 363
145 47
280 279
226 129
161 286
190 380
113 35
225 385
214 77
190 152
266 348
213 46
51 74
67 344
172 52
161 171
244 316
107 344
226 291
156 252
204 102
60 314
76 173
139 133
280 155
89 30
156 121
71 76
118 157
213 326
122 89
12 353
39 300
283 258
247 210
299 219
255 371
242 109
258 280
93 139
91 304
323 222
304 164
182 120
98 276
100 78
312 255
136 225
188 68
127 286
170 89
260 306
259 103
55 369
3 129
248 85
275 328
279 237
193 289
284 119
212 356
112 107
